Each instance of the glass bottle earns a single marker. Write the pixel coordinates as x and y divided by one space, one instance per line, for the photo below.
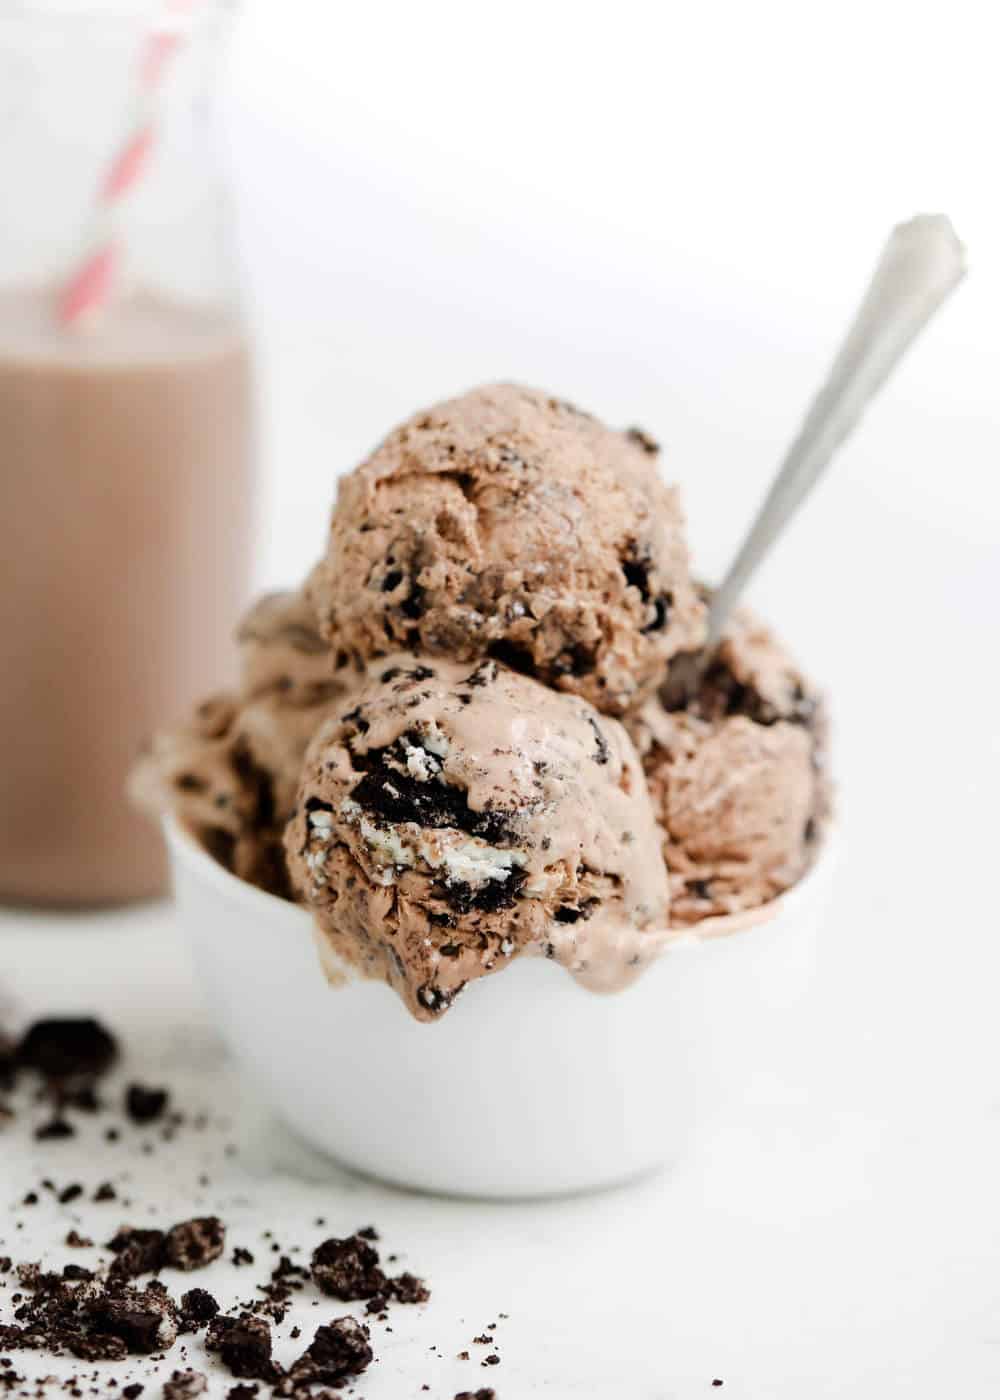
126 436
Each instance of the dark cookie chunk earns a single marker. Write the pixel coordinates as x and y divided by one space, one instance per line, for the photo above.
435 998
138 1251
603 753
198 1307
577 661
407 1288
648 444
720 695
490 896
512 655
636 565
14 1338
348 1269
92 1346
243 1344
356 720
145 1321
410 677
68 1048
571 914
338 1350
414 604
145 1105
484 674
55 1129
393 794
195 1243
662 605
184 1385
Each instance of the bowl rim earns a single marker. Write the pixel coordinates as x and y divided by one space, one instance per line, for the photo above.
187 849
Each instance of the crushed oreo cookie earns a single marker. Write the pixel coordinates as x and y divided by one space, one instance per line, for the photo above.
146 1320
338 1350
194 1243
68 1049
243 1344
138 1252
144 1105
407 1288
348 1269
489 897
391 793
105 1314
198 1307
603 753
185 1385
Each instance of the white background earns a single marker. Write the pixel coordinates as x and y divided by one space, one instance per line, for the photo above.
667 212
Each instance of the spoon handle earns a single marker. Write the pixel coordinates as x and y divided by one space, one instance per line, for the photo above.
922 263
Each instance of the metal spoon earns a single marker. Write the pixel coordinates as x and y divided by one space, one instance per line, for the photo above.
922 263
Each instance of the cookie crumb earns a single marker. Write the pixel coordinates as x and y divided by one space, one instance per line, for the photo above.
145 1105
243 1345
194 1243
338 1350
184 1385
348 1269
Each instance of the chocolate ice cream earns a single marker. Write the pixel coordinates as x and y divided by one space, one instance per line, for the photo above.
510 524
737 776
230 771
453 816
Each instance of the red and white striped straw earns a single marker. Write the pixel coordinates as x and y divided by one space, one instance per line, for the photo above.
87 291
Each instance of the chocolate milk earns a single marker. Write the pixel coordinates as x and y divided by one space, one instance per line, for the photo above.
125 521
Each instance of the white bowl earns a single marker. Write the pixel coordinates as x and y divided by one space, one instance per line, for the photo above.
529 1085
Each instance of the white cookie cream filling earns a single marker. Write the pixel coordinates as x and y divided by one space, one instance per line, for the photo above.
466 860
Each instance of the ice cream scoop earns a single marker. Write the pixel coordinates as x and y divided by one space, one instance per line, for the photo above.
737 776
508 523
453 816
282 652
230 770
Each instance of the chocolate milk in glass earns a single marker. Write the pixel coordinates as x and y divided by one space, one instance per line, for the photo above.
125 437
125 492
